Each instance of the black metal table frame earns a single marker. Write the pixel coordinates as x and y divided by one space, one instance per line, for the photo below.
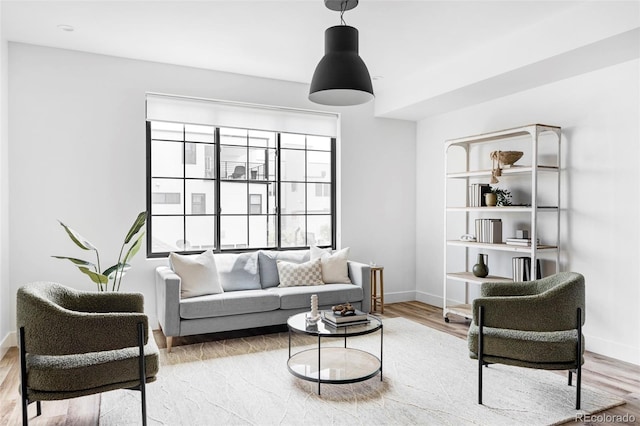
344 335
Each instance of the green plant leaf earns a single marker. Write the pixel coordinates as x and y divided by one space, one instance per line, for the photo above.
77 262
137 224
111 271
80 241
95 277
134 248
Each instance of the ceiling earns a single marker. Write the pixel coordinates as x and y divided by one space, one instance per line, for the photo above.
430 45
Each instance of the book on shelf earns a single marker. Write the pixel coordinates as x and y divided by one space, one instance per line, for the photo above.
334 318
489 231
476 194
525 242
522 269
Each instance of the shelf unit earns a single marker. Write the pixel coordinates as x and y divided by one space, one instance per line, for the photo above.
532 209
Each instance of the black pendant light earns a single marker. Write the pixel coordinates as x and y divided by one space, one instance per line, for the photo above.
341 78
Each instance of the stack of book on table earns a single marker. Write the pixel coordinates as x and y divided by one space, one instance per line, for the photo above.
336 320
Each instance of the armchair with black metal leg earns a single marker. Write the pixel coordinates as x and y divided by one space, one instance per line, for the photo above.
75 343
536 324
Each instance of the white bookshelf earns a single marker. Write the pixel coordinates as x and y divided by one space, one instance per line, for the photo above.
538 165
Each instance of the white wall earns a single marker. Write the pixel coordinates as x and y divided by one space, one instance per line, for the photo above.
77 153
6 323
599 113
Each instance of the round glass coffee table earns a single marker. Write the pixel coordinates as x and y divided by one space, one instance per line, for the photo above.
334 364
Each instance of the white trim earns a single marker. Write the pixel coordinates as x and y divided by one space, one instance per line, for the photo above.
609 348
9 341
399 296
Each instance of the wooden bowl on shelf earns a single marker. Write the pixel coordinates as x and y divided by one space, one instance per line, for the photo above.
506 158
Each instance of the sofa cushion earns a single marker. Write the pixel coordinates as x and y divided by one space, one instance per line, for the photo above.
229 303
238 271
328 294
299 274
198 274
267 264
334 265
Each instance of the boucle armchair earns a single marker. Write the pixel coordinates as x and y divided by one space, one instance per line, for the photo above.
75 343
535 324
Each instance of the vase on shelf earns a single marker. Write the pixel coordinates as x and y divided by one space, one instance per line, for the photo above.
490 199
480 269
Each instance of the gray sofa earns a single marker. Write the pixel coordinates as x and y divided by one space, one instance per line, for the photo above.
251 296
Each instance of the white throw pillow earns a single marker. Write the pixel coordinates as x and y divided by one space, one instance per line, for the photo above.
198 274
334 265
298 274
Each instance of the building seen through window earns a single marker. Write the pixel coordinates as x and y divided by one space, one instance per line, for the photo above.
225 188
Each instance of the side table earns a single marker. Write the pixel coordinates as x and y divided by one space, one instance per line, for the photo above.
377 277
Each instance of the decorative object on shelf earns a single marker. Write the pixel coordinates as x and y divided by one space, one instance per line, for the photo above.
344 309
314 315
500 159
481 269
522 233
490 199
341 77
468 238
113 273
503 196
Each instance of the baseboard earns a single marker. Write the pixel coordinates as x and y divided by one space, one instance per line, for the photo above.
611 349
429 299
399 296
8 342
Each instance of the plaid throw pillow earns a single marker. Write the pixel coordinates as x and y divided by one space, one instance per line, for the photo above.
294 274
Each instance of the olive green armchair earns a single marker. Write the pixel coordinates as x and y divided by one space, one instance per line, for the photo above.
535 324
75 343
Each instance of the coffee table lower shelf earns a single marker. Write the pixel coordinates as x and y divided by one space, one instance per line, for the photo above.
337 365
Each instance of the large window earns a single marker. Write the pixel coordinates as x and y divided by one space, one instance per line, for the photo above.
226 188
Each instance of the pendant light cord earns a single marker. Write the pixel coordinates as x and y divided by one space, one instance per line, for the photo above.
342 10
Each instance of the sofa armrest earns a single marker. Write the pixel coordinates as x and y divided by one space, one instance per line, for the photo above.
360 275
168 300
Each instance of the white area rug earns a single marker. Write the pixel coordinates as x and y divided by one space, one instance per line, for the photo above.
429 379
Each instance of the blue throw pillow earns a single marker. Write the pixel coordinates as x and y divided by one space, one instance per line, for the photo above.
238 271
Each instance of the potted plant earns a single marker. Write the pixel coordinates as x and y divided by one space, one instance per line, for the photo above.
498 197
113 273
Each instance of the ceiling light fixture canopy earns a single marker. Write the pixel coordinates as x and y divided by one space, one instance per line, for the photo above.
341 78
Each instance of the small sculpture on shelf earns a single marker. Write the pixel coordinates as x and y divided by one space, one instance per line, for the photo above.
344 309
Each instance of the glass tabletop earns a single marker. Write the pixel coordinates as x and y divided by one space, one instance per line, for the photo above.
298 323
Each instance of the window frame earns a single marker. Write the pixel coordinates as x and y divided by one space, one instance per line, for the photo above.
218 180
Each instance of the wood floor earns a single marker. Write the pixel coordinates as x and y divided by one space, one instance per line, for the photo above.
614 376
